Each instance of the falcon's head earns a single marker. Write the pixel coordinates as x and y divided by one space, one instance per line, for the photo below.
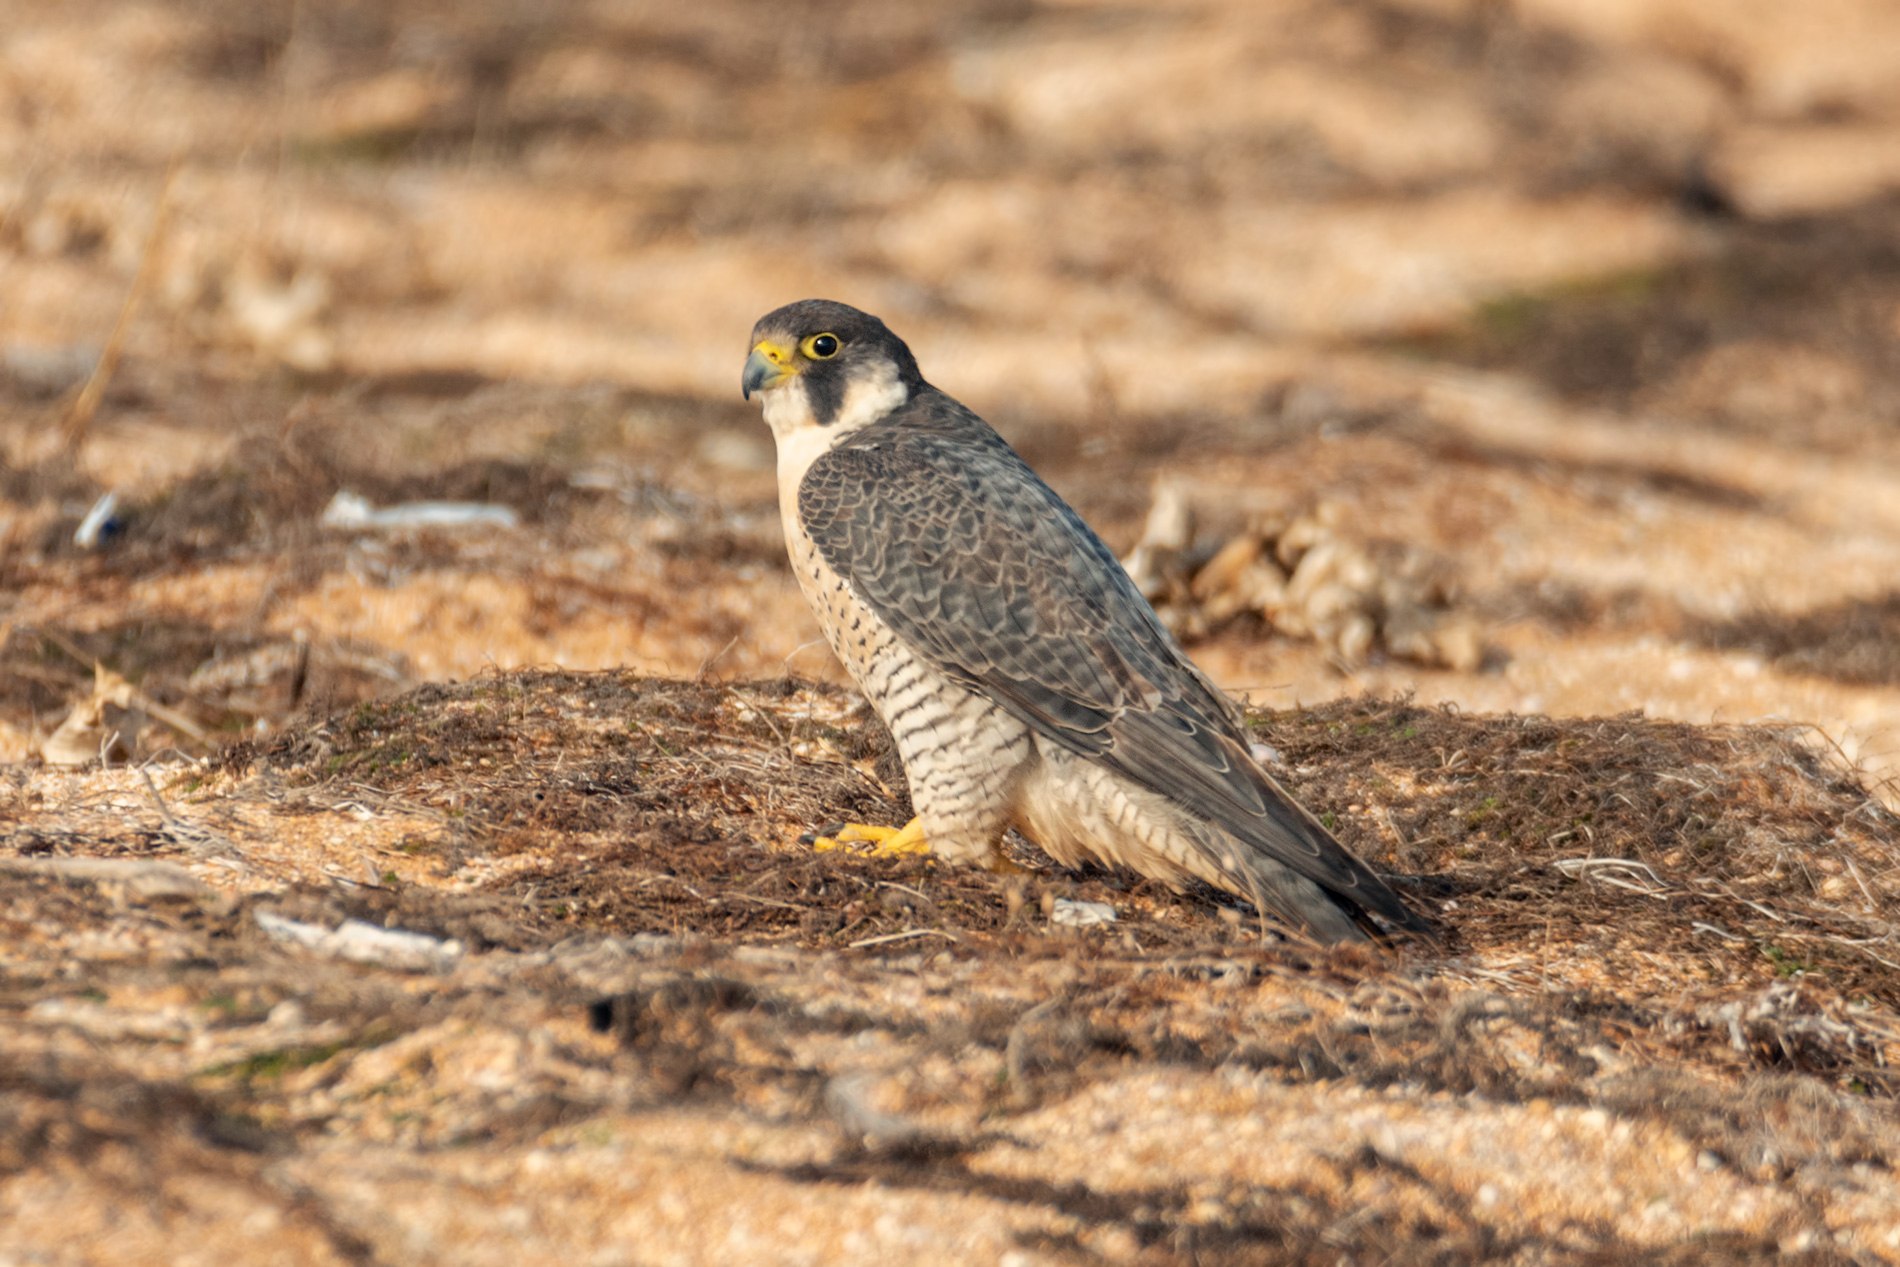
827 365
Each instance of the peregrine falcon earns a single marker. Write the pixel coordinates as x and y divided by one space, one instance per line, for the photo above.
1024 680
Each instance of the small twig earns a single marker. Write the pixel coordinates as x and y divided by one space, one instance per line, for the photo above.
760 901
1866 892
785 665
758 710
1578 866
1617 883
170 716
1759 909
903 936
60 641
1882 960
165 814
199 840
705 666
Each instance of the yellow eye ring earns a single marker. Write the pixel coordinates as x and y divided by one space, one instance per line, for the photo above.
821 347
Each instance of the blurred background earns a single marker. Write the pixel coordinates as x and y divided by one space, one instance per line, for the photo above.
1533 355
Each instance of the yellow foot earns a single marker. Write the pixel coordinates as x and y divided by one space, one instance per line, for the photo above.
890 842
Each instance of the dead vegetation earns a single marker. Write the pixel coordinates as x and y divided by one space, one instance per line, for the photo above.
1306 576
591 885
1729 858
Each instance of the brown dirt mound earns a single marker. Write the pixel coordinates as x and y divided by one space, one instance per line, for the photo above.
1586 853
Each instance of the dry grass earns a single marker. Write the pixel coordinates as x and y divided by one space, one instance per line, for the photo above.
1638 914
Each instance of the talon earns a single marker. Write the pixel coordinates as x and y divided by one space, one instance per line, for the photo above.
907 842
889 842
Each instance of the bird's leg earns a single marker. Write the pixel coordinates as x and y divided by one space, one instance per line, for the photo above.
890 842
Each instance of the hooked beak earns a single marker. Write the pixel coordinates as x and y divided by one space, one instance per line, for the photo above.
769 365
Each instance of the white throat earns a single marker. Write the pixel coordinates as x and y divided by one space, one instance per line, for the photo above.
801 440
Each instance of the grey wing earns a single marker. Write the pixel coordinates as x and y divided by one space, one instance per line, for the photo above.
984 570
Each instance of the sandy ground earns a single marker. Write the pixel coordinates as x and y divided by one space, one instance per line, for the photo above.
1530 359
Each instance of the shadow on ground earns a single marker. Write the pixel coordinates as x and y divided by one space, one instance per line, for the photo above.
1856 641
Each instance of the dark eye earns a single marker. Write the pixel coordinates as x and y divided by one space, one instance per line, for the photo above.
822 347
